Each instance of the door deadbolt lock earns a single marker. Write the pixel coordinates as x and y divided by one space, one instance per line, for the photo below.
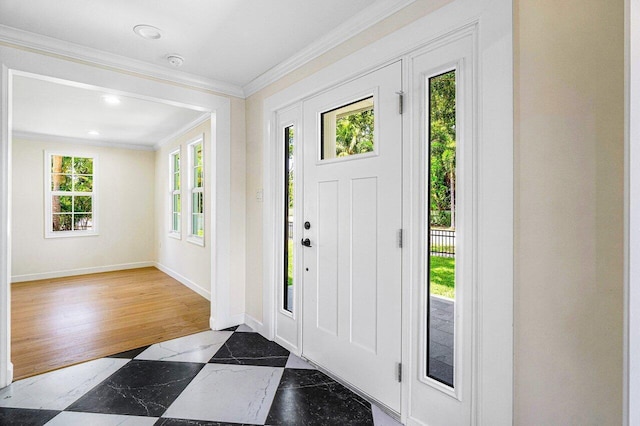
307 225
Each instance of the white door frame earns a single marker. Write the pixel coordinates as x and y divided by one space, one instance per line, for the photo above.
12 61
631 413
493 363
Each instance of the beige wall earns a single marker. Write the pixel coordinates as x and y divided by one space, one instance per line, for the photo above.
255 125
569 211
125 211
179 256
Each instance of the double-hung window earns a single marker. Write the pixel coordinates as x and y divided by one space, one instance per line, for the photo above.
70 195
176 202
196 189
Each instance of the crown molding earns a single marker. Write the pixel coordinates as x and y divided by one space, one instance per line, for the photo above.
40 137
182 130
26 39
348 29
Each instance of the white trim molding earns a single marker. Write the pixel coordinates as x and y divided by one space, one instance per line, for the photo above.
184 280
348 29
39 137
53 46
80 271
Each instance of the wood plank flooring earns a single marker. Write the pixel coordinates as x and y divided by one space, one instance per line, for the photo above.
64 321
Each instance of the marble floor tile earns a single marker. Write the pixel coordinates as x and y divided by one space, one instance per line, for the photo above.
130 354
68 418
251 349
199 347
58 389
25 416
380 418
245 329
228 393
140 388
297 362
187 422
311 397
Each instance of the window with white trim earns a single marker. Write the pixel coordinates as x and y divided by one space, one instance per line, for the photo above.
70 190
196 191
176 201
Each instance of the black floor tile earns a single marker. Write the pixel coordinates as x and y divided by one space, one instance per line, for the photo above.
251 349
140 388
310 397
130 354
185 422
25 417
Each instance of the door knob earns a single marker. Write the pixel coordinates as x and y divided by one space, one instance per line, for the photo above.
306 242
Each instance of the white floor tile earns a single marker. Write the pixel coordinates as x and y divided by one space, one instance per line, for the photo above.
59 389
198 347
297 362
228 393
68 418
380 418
244 328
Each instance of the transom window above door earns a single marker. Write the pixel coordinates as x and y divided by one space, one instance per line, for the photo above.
348 130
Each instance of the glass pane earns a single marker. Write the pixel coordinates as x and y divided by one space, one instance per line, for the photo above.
82 204
61 204
198 202
83 166
60 164
198 178
197 154
288 218
197 224
176 222
61 183
82 222
348 130
176 203
176 162
83 184
176 181
442 228
62 222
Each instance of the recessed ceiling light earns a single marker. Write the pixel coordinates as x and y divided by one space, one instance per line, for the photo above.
94 132
148 32
111 99
175 60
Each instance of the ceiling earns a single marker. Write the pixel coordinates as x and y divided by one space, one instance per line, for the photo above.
234 47
44 108
233 41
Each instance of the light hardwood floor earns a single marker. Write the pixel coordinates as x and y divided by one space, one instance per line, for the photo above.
64 321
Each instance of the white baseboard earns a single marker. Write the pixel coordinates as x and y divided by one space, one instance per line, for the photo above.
184 280
10 373
79 271
232 321
254 324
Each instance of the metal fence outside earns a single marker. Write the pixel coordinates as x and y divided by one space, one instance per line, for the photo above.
442 242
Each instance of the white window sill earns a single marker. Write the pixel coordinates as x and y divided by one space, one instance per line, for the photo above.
199 241
175 235
68 234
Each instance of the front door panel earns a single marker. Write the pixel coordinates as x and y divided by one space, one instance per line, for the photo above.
353 201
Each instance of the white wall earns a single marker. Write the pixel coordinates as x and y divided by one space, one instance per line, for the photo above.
125 182
569 102
188 262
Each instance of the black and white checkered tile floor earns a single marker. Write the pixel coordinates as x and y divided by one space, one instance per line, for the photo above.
231 377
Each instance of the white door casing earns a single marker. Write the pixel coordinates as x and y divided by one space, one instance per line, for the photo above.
352 288
433 402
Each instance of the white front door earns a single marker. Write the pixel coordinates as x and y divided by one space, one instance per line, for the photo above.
352 259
